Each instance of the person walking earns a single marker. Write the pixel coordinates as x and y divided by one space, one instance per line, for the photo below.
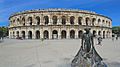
99 40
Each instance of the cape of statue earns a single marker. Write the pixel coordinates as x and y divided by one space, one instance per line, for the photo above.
87 55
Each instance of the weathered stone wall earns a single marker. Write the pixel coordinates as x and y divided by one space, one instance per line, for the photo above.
57 24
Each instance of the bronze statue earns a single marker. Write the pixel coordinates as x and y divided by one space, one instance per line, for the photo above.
87 41
87 55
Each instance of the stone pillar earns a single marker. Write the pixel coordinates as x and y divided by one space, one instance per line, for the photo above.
59 21
41 20
83 21
76 33
41 33
26 33
50 20
59 33
50 34
76 21
68 33
33 34
68 20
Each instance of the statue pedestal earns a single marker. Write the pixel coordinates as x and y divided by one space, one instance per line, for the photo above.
83 59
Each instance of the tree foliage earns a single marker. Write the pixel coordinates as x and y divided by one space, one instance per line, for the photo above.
116 30
3 31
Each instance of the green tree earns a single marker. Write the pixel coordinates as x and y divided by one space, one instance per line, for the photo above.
116 29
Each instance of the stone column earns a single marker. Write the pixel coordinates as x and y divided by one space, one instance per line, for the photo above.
33 33
76 21
41 20
59 33
50 34
83 21
76 33
26 33
68 20
41 33
59 21
68 33
49 18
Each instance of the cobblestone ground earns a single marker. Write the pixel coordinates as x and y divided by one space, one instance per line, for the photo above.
52 53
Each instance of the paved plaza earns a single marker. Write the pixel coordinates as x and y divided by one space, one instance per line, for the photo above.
52 53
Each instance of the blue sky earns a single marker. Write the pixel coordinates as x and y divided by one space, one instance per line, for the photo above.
110 8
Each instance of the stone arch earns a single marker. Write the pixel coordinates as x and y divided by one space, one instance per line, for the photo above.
93 21
99 21
80 20
87 20
46 34
94 33
23 34
54 34
37 34
63 20
109 23
63 34
46 18
38 20
54 18
72 34
80 32
99 33
30 20
103 22
103 34
106 22
29 34
18 21
23 20
72 18
107 34
17 34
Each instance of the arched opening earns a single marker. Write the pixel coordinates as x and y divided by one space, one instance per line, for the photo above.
46 18
99 33
17 34
80 20
23 34
46 34
30 35
63 20
80 33
54 34
103 34
87 21
93 21
38 20
106 23
99 21
18 21
37 34
107 35
54 20
63 34
30 20
109 24
23 20
72 20
72 34
94 33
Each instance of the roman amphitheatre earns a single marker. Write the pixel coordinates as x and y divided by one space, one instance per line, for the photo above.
58 24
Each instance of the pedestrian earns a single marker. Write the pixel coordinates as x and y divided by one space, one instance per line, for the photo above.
99 40
113 37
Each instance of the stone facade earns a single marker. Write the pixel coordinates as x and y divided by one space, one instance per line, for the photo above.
58 24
